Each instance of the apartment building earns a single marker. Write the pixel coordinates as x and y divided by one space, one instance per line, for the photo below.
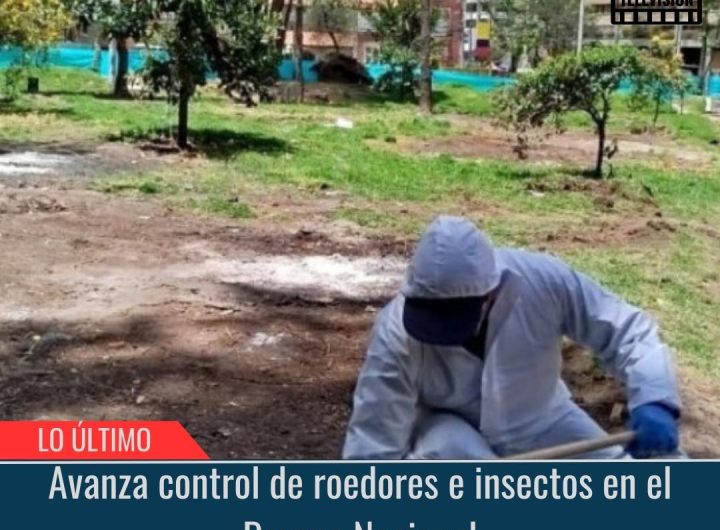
639 35
601 30
477 31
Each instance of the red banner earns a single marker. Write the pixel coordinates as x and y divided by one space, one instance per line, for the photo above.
97 440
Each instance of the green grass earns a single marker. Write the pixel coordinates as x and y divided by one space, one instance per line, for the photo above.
462 100
297 148
226 206
690 127
383 221
670 282
148 186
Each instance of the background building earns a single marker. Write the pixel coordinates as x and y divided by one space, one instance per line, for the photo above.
354 35
602 30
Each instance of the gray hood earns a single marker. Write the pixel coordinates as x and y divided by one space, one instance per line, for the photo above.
452 260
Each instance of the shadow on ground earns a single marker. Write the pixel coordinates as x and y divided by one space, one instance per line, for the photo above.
15 107
51 148
238 397
214 143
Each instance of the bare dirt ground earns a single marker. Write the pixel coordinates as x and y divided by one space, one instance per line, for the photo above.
63 164
115 308
250 333
483 140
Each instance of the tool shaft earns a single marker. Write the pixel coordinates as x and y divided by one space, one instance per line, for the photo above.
576 448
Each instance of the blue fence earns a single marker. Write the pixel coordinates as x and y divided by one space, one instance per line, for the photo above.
82 57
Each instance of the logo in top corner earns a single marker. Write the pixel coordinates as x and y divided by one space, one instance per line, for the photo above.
656 12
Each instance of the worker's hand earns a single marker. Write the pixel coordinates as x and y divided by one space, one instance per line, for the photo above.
656 431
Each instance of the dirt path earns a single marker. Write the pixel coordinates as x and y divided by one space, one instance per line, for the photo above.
250 334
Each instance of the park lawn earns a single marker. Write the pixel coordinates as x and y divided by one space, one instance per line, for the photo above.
691 127
389 191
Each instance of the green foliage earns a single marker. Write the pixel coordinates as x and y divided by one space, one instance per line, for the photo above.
397 25
331 16
237 37
400 79
396 21
232 37
570 82
30 26
534 27
119 19
661 77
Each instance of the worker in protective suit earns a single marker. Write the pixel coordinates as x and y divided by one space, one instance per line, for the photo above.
465 362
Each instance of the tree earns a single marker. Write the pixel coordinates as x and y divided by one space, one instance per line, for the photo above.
425 56
397 24
661 77
30 25
298 47
571 82
234 38
282 10
332 17
120 20
535 27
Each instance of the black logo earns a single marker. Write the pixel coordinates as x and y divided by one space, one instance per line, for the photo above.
658 12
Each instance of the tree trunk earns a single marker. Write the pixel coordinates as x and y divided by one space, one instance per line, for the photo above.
120 88
704 56
334 40
425 70
298 34
97 55
328 27
656 114
284 8
600 126
183 109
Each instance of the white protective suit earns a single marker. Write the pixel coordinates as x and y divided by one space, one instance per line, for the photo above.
415 400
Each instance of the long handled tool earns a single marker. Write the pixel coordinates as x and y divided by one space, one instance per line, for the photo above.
575 448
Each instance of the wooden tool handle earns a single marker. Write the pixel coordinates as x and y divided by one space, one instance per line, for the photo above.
576 448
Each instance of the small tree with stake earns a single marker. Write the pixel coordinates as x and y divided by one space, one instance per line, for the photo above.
661 77
30 25
234 38
571 82
398 25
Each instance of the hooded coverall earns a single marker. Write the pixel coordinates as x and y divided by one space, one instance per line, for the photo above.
420 401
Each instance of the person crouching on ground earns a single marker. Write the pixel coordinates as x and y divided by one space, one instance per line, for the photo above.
465 362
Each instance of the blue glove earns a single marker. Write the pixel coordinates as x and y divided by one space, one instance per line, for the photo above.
656 430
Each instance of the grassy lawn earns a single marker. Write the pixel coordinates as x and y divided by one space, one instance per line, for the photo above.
391 191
